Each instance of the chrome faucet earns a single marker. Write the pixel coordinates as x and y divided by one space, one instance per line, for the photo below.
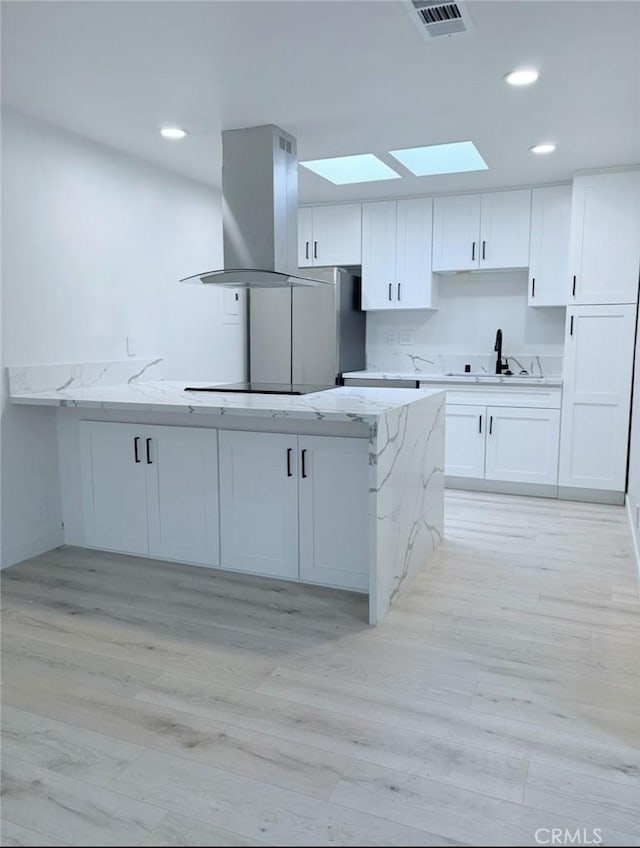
500 366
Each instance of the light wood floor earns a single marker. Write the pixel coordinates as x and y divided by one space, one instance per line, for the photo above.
155 704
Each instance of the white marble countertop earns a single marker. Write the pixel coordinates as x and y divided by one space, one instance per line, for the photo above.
466 379
344 403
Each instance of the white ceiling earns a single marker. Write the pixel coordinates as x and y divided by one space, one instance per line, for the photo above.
343 76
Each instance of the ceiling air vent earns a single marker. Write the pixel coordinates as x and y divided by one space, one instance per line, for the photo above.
436 19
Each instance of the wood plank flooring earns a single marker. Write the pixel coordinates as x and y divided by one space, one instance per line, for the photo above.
148 703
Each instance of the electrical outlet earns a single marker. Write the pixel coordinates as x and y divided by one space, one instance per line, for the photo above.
131 346
392 337
405 337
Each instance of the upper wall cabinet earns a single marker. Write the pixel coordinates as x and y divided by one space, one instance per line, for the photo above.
396 255
481 231
330 235
605 239
549 258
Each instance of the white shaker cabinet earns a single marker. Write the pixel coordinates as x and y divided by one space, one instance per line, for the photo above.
259 502
333 511
114 487
481 231
465 427
522 445
330 235
605 239
516 444
396 255
598 363
549 253
151 490
295 507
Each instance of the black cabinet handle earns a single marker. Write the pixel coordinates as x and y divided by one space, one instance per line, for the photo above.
479 423
315 250
399 284
389 291
473 250
135 448
289 472
483 244
533 287
571 327
149 452
490 425
573 292
304 464
306 250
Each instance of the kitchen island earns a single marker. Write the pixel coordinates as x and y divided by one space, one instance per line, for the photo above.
342 487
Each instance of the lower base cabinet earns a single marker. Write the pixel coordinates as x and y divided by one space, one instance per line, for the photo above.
295 507
516 444
151 490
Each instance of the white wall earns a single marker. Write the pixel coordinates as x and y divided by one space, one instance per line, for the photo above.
94 243
472 308
633 492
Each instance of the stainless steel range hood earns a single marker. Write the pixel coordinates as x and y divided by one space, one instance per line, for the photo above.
259 211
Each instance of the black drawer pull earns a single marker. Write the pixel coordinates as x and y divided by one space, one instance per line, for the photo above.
533 287
149 452
135 448
483 244
473 251
289 472
304 462
490 425
573 292
479 423
571 330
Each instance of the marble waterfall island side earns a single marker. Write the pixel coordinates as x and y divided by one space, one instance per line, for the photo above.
402 428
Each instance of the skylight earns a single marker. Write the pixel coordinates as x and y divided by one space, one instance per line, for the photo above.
441 159
361 168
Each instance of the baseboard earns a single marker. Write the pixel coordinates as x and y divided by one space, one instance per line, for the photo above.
14 554
635 534
603 496
501 487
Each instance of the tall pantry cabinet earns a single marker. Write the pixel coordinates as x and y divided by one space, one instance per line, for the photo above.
600 333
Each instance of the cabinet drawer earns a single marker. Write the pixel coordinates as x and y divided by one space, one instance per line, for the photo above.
540 398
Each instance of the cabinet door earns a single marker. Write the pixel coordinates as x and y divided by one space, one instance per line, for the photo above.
379 255
337 234
305 237
505 223
182 487
114 493
415 287
522 445
259 502
464 440
605 238
456 233
334 519
549 255
596 397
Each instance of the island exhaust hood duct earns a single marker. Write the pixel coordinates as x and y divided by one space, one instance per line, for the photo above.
259 211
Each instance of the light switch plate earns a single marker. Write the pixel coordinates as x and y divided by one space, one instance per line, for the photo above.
405 337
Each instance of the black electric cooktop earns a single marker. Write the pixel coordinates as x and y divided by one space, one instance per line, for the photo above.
261 388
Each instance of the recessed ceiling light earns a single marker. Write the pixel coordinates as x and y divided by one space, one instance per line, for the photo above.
543 148
360 168
524 76
451 158
172 132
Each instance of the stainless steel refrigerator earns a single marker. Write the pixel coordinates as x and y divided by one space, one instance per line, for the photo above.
307 335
